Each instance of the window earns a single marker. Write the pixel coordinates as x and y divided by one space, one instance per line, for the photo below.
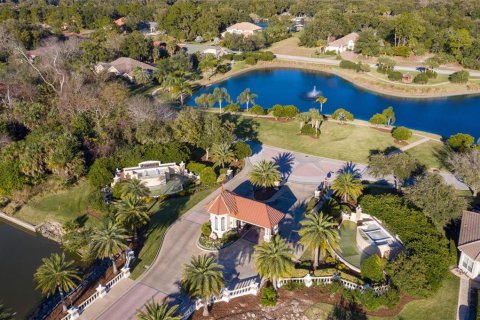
216 223
223 224
467 263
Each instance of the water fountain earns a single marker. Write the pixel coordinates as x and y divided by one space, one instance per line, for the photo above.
311 95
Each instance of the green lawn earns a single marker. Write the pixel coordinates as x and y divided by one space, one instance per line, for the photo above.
429 154
443 305
163 215
60 206
344 142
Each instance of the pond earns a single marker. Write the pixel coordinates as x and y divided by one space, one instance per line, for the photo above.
21 253
444 116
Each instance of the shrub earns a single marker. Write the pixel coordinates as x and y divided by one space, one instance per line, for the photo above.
277 111
206 229
378 119
241 150
195 167
342 115
100 173
268 297
431 74
363 67
347 64
421 78
401 133
251 60
208 176
460 142
96 200
401 51
459 77
290 286
395 76
308 130
290 111
11 178
372 268
117 190
257 110
311 204
232 107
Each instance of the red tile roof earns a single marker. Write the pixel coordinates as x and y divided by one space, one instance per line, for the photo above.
469 240
120 22
247 210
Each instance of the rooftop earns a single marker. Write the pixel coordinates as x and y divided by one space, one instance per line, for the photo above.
343 41
244 26
469 240
126 65
244 209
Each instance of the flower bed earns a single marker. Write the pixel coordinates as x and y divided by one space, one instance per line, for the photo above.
208 243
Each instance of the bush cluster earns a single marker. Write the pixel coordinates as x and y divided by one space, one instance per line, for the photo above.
421 78
257 110
459 77
395 75
287 111
308 130
268 297
253 56
206 229
401 133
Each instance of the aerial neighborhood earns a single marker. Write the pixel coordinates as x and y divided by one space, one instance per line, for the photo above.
240 159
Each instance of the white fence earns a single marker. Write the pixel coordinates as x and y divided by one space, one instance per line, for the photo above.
101 291
242 289
308 281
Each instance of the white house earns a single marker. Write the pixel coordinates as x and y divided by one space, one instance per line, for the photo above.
203 49
343 44
151 173
230 211
123 66
245 29
469 245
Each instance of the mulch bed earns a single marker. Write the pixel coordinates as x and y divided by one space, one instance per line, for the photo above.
264 194
84 294
382 129
401 143
245 306
278 119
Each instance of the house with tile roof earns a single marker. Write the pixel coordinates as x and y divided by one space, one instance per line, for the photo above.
245 29
230 211
343 44
469 245
124 66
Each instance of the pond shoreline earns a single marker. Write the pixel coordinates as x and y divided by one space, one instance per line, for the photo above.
398 90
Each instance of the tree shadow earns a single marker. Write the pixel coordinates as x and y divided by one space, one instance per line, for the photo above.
347 310
386 151
442 156
246 128
284 161
352 169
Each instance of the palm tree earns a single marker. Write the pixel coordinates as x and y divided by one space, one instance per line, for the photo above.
315 118
5 314
181 89
136 188
222 153
264 174
273 259
203 278
347 187
156 311
108 240
221 94
54 274
321 100
141 76
303 118
319 233
246 97
132 213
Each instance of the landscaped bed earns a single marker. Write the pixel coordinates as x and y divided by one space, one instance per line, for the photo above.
210 244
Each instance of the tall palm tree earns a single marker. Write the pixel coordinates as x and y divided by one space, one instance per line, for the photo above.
54 274
132 213
108 240
222 153
321 100
221 94
246 97
273 259
156 311
181 89
264 174
319 233
136 188
347 187
203 278
5 314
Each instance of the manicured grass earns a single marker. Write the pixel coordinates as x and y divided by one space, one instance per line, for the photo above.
61 206
443 305
344 142
164 213
429 154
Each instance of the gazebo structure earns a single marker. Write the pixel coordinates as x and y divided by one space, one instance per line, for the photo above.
229 211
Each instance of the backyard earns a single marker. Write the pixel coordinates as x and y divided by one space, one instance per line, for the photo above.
344 142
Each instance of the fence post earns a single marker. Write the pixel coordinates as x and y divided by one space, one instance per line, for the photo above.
126 272
308 280
73 313
254 288
226 295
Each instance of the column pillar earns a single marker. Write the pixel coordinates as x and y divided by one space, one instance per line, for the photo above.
73 312
101 291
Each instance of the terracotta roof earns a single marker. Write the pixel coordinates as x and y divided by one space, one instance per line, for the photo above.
119 22
247 210
343 41
244 26
469 240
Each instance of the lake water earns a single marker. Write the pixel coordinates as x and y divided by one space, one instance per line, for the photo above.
21 253
444 116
